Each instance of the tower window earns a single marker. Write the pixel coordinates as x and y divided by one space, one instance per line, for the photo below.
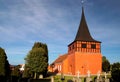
73 46
84 45
93 46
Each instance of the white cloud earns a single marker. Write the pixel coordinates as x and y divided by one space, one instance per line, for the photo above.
34 18
42 20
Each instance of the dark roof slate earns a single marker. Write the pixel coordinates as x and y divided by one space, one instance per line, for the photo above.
83 33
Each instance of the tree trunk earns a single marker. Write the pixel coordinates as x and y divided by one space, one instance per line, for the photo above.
35 75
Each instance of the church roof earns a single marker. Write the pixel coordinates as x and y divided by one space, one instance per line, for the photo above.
83 33
60 59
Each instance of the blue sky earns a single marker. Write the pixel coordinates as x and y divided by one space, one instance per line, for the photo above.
55 22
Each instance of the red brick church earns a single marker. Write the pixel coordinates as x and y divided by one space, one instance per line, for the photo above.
84 54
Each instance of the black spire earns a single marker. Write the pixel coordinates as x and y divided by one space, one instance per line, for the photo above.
83 33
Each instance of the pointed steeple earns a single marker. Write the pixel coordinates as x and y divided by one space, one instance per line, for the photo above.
83 33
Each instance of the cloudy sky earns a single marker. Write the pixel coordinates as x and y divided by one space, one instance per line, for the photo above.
55 22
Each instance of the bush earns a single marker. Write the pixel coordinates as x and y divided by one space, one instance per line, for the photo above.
40 80
2 79
115 73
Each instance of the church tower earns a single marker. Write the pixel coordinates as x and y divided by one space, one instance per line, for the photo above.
84 53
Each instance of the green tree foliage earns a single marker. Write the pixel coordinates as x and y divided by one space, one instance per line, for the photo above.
104 59
105 64
16 71
41 45
26 73
37 59
15 74
115 73
4 64
7 67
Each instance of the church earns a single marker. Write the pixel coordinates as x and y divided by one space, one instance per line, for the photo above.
83 56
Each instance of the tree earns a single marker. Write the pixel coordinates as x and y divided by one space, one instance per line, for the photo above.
37 59
41 45
105 64
4 65
104 59
26 73
115 73
16 71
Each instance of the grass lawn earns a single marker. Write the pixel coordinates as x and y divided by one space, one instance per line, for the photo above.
57 78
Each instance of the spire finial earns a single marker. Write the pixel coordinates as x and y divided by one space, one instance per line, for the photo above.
82 2
83 33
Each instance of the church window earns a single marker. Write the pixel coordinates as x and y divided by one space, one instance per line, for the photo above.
72 46
93 46
60 67
84 45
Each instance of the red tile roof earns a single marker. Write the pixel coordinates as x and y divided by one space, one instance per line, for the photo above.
61 58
